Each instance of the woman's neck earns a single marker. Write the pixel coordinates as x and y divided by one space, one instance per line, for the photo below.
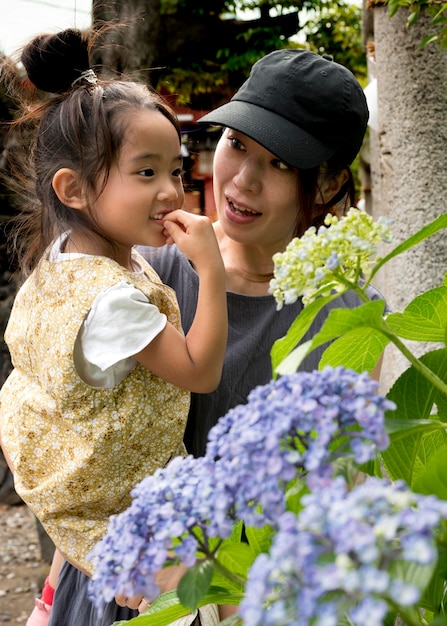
249 269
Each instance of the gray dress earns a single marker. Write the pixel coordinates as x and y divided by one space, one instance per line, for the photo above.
254 325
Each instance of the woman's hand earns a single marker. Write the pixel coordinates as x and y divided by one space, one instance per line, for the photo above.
133 603
167 579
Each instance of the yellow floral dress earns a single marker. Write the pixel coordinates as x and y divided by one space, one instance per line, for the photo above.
78 451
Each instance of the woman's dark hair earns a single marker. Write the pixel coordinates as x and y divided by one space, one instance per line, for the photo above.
80 126
312 213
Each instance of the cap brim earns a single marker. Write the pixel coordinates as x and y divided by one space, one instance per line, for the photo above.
288 142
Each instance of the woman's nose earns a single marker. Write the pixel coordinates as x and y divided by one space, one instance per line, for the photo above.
248 177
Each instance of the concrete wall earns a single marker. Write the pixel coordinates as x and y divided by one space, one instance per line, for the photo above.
409 158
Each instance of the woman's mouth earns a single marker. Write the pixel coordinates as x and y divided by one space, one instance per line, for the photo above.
239 213
242 210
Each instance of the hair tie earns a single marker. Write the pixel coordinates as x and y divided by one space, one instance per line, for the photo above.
87 75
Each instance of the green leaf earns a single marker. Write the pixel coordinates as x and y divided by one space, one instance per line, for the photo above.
195 583
407 457
433 480
410 450
167 607
236 533
440 620
284 346
259 539
412 573
292 361
338 323
359 350
236 557
433 595
414 395
233 620
424 319
427 231
401 428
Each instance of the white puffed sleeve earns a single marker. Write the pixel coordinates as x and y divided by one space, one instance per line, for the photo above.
120 324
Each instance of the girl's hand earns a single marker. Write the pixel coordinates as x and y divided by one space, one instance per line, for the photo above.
194 235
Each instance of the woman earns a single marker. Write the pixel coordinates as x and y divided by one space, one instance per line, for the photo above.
281 165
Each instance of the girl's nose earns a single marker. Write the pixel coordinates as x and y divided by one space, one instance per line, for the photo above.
169 193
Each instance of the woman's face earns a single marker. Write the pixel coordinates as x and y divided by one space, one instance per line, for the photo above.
256 194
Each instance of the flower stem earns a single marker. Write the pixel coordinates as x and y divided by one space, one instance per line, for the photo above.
425 371
415 362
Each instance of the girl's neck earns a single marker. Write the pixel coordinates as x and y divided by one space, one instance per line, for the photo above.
92 244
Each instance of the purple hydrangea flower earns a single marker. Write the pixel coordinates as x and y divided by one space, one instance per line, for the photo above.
286 429
334 557
157 529
283 432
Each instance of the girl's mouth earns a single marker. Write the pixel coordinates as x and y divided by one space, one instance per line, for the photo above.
159 216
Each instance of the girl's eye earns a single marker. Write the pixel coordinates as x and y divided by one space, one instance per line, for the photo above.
147 172
280 165
178 172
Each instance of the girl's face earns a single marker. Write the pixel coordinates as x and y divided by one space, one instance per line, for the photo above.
256 194
143 185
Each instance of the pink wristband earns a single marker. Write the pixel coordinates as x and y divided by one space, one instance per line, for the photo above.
47 592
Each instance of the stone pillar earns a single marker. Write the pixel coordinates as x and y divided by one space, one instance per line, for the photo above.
409 158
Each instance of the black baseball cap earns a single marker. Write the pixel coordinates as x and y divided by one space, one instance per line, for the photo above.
302 107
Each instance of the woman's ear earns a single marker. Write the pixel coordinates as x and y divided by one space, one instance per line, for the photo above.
329 185
68 188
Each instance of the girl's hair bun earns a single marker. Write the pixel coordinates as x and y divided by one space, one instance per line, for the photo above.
53 62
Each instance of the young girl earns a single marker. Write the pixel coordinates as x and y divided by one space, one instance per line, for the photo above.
98 396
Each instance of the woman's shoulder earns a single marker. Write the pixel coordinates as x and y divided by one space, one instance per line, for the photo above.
170 264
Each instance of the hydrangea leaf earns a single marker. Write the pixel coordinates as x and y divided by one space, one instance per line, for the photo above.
195 584
414 395
167 607
359 349
259 539
413 573
433 480
237 558
284 346
407 457
424 319
427 231
338 323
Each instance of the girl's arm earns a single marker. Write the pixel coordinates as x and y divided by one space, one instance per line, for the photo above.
194 362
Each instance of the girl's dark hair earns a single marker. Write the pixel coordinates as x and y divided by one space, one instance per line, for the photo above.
313 213
81 126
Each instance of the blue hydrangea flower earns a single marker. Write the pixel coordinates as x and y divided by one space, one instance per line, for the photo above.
334 557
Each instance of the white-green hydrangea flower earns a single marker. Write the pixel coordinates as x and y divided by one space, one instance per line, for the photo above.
320 262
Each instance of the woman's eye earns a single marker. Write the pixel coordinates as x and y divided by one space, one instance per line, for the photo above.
280 165
235 143
147 172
